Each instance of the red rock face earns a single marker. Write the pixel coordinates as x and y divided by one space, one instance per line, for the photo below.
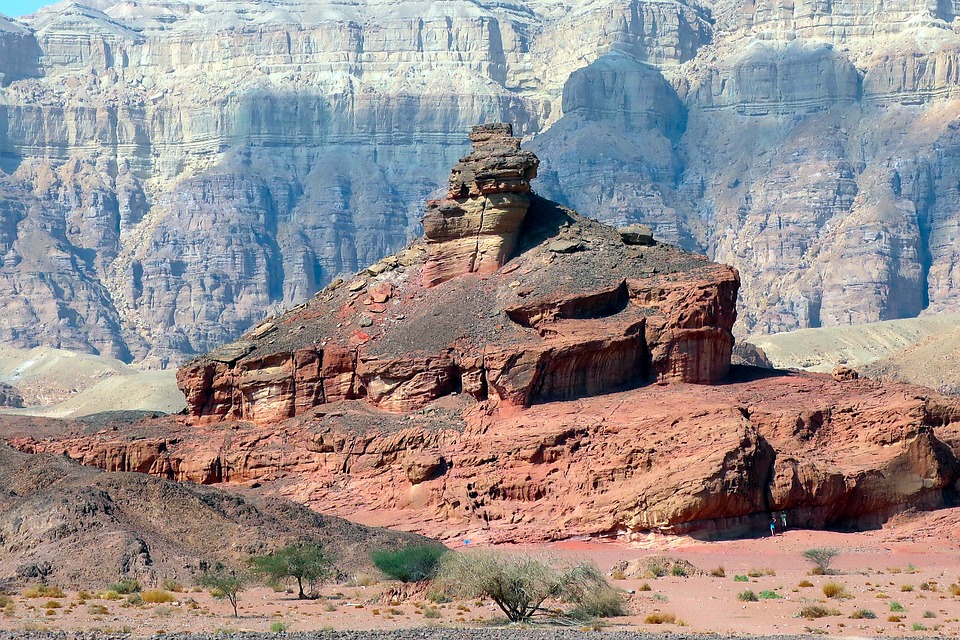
676 458
535 306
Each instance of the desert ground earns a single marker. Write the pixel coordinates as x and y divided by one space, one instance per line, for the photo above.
905 575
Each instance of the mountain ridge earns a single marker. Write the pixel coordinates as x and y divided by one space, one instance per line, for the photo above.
181 171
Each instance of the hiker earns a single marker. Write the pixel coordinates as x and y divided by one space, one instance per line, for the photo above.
783 520
773 526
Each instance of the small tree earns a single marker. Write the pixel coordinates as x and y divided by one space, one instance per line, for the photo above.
223 583
519 584
305 562
409 564
822 557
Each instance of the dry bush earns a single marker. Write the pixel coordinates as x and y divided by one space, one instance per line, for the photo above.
814 611
661 618
863 614
804 584
43 591
519 584
169 584
719 572
834 590
157 596
656 567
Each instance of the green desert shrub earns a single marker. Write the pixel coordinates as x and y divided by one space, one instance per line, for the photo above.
741 578
769 595
747 596
600 603
125 586
519 584
822 558
438 597
896 607
409 564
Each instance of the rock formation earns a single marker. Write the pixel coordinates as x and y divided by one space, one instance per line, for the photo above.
782 139
678 458
93 528
9 396
475 229
514 402
510 299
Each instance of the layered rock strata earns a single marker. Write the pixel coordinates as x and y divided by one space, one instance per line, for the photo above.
810 145
673 459
475 229
521 305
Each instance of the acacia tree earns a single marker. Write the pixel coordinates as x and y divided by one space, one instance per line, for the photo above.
518 584
822 557
306 562
224 583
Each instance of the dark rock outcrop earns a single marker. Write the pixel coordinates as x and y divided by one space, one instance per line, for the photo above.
9 396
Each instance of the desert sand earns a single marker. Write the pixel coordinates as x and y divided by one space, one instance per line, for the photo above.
912 564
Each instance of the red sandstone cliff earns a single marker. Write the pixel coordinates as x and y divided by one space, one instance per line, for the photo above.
674 458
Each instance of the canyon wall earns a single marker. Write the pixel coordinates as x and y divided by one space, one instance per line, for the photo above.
171 174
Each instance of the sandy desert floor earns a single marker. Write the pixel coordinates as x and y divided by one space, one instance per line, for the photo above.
905 575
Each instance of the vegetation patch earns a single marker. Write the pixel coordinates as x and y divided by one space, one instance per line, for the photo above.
409 564
814 611
822 558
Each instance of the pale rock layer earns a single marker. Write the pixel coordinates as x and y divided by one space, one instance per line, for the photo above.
171 173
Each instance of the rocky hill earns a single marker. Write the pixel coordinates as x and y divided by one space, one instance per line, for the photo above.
523 373
508 298
171 173
921 351
92 528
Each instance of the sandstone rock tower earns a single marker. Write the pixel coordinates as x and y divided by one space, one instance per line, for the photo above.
476 227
